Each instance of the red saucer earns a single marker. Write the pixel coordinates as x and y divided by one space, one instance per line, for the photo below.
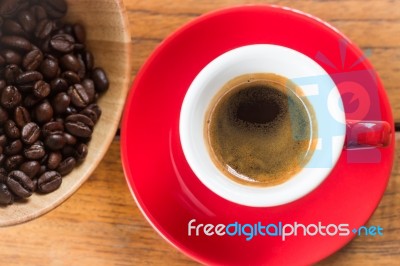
170 195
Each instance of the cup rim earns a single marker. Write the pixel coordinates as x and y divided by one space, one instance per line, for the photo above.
194 146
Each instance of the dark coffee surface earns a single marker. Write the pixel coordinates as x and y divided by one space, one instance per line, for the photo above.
259 131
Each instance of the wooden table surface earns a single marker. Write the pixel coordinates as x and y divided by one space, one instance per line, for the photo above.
101 225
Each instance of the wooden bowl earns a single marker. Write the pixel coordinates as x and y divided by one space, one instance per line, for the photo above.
108 38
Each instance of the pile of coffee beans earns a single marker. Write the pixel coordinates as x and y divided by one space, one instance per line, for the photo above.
48 92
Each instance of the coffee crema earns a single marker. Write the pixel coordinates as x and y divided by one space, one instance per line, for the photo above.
260 129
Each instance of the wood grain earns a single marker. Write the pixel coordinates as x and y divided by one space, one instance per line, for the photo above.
101 225
374 25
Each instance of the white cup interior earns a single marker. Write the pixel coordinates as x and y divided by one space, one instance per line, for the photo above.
263 58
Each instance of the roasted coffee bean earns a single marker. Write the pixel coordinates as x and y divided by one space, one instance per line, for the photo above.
55 127
49 182
11 57
66 166
100 80
13 148
3 116
79 125
8 8
30 133
16 42
55 8
19 183
27 20
79 33
12 27
70 62
11 130
29 76
11 72
78 129
63 43
93 111
30 168
81 152
88 84
71 77
44 29
10 97
82 67
91 114
49 68
6 197
21 116
54 160
69 139
27 80
39 12
79 96
31 101
41 89
3 141
32 60
61 102
55 142
44 112
35 152
13 162
58 85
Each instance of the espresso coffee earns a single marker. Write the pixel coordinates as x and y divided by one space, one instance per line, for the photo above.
260 129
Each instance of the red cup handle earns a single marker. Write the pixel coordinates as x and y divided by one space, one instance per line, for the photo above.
367 134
